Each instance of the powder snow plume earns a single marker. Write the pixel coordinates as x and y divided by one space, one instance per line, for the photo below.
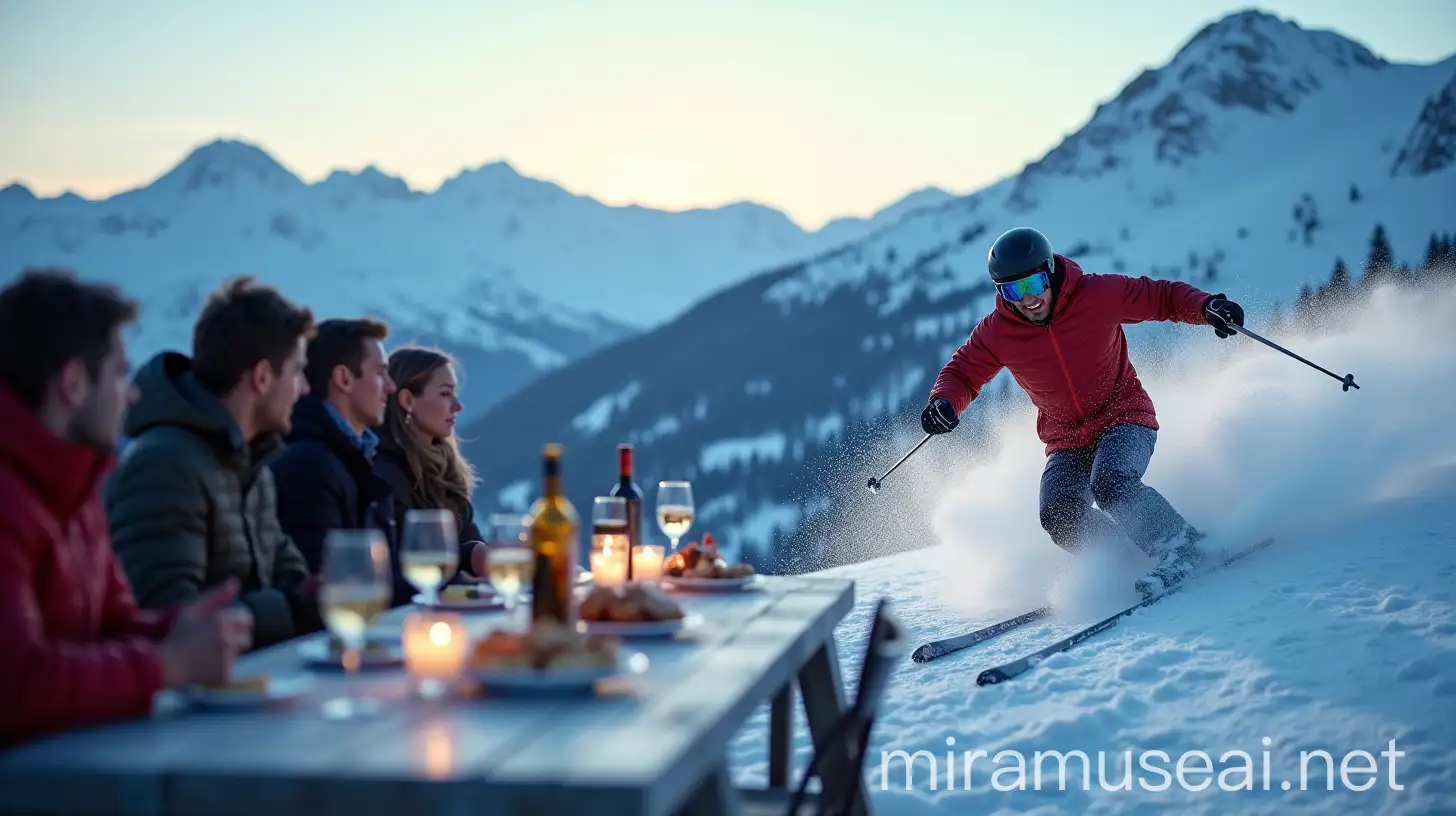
1253 443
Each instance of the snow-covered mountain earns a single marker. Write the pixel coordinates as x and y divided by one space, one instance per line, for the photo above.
514 275
1256 157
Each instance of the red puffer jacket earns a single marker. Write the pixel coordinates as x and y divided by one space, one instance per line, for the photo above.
74 649
1075 368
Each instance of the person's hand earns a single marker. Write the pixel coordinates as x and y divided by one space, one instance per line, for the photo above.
1221 313
939 417
205 639
479 558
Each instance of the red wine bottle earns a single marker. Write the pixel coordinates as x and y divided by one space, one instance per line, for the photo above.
627 489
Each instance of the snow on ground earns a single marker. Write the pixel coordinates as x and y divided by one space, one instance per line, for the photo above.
1341 638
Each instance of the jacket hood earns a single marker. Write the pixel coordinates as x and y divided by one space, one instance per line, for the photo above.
1069 274
171 395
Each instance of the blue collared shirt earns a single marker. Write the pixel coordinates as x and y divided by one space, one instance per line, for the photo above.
368 442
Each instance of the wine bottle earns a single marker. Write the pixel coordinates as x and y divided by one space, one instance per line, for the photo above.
627 489
554 546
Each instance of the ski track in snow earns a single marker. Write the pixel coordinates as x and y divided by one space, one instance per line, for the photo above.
1341 637
1340 644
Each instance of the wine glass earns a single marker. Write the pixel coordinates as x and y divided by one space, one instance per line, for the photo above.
354 588
429 552
510 562
674 510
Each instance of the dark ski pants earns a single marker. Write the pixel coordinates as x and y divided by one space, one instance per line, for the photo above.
1109 473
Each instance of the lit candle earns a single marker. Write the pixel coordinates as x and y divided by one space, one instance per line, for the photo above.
609 562
436 646
647 562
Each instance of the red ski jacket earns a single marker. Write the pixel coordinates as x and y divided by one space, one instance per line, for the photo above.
1075 368
74 649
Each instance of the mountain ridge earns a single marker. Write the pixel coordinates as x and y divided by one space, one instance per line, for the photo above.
231 148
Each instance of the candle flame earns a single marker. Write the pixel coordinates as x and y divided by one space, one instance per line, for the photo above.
440 633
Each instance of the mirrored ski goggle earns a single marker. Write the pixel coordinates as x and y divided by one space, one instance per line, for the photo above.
1030 286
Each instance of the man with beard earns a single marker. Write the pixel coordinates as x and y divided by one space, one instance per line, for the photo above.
1059 332
326 477
74 648
192 503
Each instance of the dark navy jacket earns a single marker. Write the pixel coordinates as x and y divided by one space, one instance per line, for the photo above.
326 481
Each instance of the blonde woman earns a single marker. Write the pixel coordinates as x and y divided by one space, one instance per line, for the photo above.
418 454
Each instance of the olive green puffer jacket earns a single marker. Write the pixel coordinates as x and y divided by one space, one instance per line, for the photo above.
191 505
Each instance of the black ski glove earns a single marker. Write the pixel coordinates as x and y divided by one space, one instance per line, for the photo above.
939 417
1221 313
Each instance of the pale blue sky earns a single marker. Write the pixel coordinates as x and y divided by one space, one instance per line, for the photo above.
818 108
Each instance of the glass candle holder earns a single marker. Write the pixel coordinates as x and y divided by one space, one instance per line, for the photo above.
609 560
647 562
436 647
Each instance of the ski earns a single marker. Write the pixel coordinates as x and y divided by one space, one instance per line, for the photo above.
1007 671
941 648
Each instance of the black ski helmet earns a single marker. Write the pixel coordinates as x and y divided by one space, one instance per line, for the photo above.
1018 253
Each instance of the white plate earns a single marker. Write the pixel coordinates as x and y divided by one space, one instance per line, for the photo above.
642 629
315 654
280 689
563 680
739 584
489 603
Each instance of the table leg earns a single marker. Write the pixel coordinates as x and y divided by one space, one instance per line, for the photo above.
781 738
716 796
824 704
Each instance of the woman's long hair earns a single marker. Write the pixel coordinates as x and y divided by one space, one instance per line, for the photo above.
440 476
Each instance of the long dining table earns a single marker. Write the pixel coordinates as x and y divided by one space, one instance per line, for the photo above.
651 742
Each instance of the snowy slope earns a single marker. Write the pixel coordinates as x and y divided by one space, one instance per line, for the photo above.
1252 161
1341 637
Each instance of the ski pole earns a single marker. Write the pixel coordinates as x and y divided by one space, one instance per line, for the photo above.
1346 382
874 485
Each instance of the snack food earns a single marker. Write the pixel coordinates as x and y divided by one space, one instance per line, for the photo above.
632 603
456 593
546 646
702 561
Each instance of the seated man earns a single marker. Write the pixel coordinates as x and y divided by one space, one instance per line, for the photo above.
74 649
326 477
192 502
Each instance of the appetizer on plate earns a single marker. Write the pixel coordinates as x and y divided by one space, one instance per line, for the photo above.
456 593
545 647
702 561
632 603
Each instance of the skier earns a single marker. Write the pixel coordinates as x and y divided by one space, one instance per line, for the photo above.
1059 331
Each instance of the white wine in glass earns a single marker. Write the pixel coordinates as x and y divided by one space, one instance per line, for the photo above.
354 588
429 552
674 510
511 568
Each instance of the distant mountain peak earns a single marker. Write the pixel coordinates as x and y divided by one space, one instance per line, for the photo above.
226 164
15 191
1250 60
501 182
369 181
1258 61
